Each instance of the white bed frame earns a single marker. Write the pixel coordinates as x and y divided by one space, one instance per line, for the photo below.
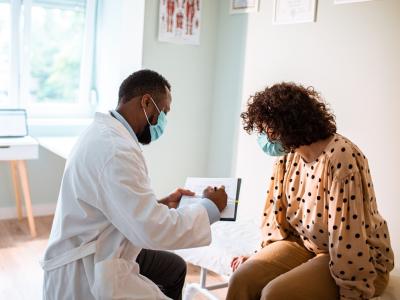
201 287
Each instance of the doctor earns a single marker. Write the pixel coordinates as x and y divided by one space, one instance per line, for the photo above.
109 229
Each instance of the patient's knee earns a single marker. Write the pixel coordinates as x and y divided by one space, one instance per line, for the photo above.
274 290
241 277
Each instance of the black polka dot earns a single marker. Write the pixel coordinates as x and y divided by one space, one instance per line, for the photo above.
357 235
342 272
338 208
319 215
348 246
334 227
309 194
318 197
350 262
350 166
339 165
359 254
353 197
354 217
343 149
333 149
339 255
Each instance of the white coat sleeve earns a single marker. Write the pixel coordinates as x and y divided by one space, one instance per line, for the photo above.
125 197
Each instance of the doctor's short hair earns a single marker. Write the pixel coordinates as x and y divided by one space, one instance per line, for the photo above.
143 82
291 114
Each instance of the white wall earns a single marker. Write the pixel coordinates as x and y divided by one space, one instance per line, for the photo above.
231 33
352 55
183 149
119 46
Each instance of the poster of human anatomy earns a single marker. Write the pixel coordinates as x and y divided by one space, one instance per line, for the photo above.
180 21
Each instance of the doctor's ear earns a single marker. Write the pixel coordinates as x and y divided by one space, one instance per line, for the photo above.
145 100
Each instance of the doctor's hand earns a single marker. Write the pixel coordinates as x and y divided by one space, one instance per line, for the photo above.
172 201
217 195
237 261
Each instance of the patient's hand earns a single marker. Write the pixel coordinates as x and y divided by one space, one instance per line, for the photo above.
237 261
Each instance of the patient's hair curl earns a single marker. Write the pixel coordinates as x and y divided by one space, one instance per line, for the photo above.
289 113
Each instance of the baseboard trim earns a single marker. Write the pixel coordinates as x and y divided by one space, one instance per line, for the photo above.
43 209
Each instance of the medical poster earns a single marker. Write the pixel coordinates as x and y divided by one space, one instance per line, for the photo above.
179 21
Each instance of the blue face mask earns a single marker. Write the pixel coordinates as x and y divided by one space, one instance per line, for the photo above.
270 148
158 129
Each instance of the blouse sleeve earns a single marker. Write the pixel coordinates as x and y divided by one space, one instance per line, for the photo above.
274 225
351 264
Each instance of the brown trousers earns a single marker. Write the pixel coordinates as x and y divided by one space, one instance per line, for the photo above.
287 270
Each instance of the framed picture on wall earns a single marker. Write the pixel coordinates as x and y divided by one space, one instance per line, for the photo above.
349 1
180 21
294 11
243 6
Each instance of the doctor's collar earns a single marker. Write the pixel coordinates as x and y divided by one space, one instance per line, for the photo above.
125 123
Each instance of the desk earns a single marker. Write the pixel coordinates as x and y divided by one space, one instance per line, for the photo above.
16 151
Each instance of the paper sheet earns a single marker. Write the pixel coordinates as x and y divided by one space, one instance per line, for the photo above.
197 185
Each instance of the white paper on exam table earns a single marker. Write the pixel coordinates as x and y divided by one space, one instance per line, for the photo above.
232 189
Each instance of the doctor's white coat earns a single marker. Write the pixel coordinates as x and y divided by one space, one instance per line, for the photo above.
106 213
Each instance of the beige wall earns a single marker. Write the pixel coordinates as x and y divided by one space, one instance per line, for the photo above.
352 56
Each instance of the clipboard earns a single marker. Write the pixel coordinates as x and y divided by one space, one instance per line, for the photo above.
232 188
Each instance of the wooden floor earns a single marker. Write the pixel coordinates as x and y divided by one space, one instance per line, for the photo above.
20 272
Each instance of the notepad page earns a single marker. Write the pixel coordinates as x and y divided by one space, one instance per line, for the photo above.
197 185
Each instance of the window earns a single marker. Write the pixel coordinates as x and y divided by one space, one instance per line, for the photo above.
5 67
53 41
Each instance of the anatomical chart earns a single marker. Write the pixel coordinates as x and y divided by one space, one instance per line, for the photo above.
180 21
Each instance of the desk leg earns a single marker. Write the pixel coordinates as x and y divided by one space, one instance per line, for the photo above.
25 190
14 174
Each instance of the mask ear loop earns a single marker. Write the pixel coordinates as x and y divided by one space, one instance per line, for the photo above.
151 98
147 118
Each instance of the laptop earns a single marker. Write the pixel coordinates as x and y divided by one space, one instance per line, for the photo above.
13 123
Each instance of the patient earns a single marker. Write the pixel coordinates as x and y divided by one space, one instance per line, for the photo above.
323 237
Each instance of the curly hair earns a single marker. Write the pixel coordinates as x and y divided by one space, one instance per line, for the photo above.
289 113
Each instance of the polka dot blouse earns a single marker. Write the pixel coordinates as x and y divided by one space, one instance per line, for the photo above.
330 203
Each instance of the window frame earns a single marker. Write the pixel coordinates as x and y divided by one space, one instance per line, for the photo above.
20 66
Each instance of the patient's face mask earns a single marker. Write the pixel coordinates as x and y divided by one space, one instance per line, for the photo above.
158 129
270 148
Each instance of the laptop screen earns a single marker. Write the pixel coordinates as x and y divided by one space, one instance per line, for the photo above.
13 123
